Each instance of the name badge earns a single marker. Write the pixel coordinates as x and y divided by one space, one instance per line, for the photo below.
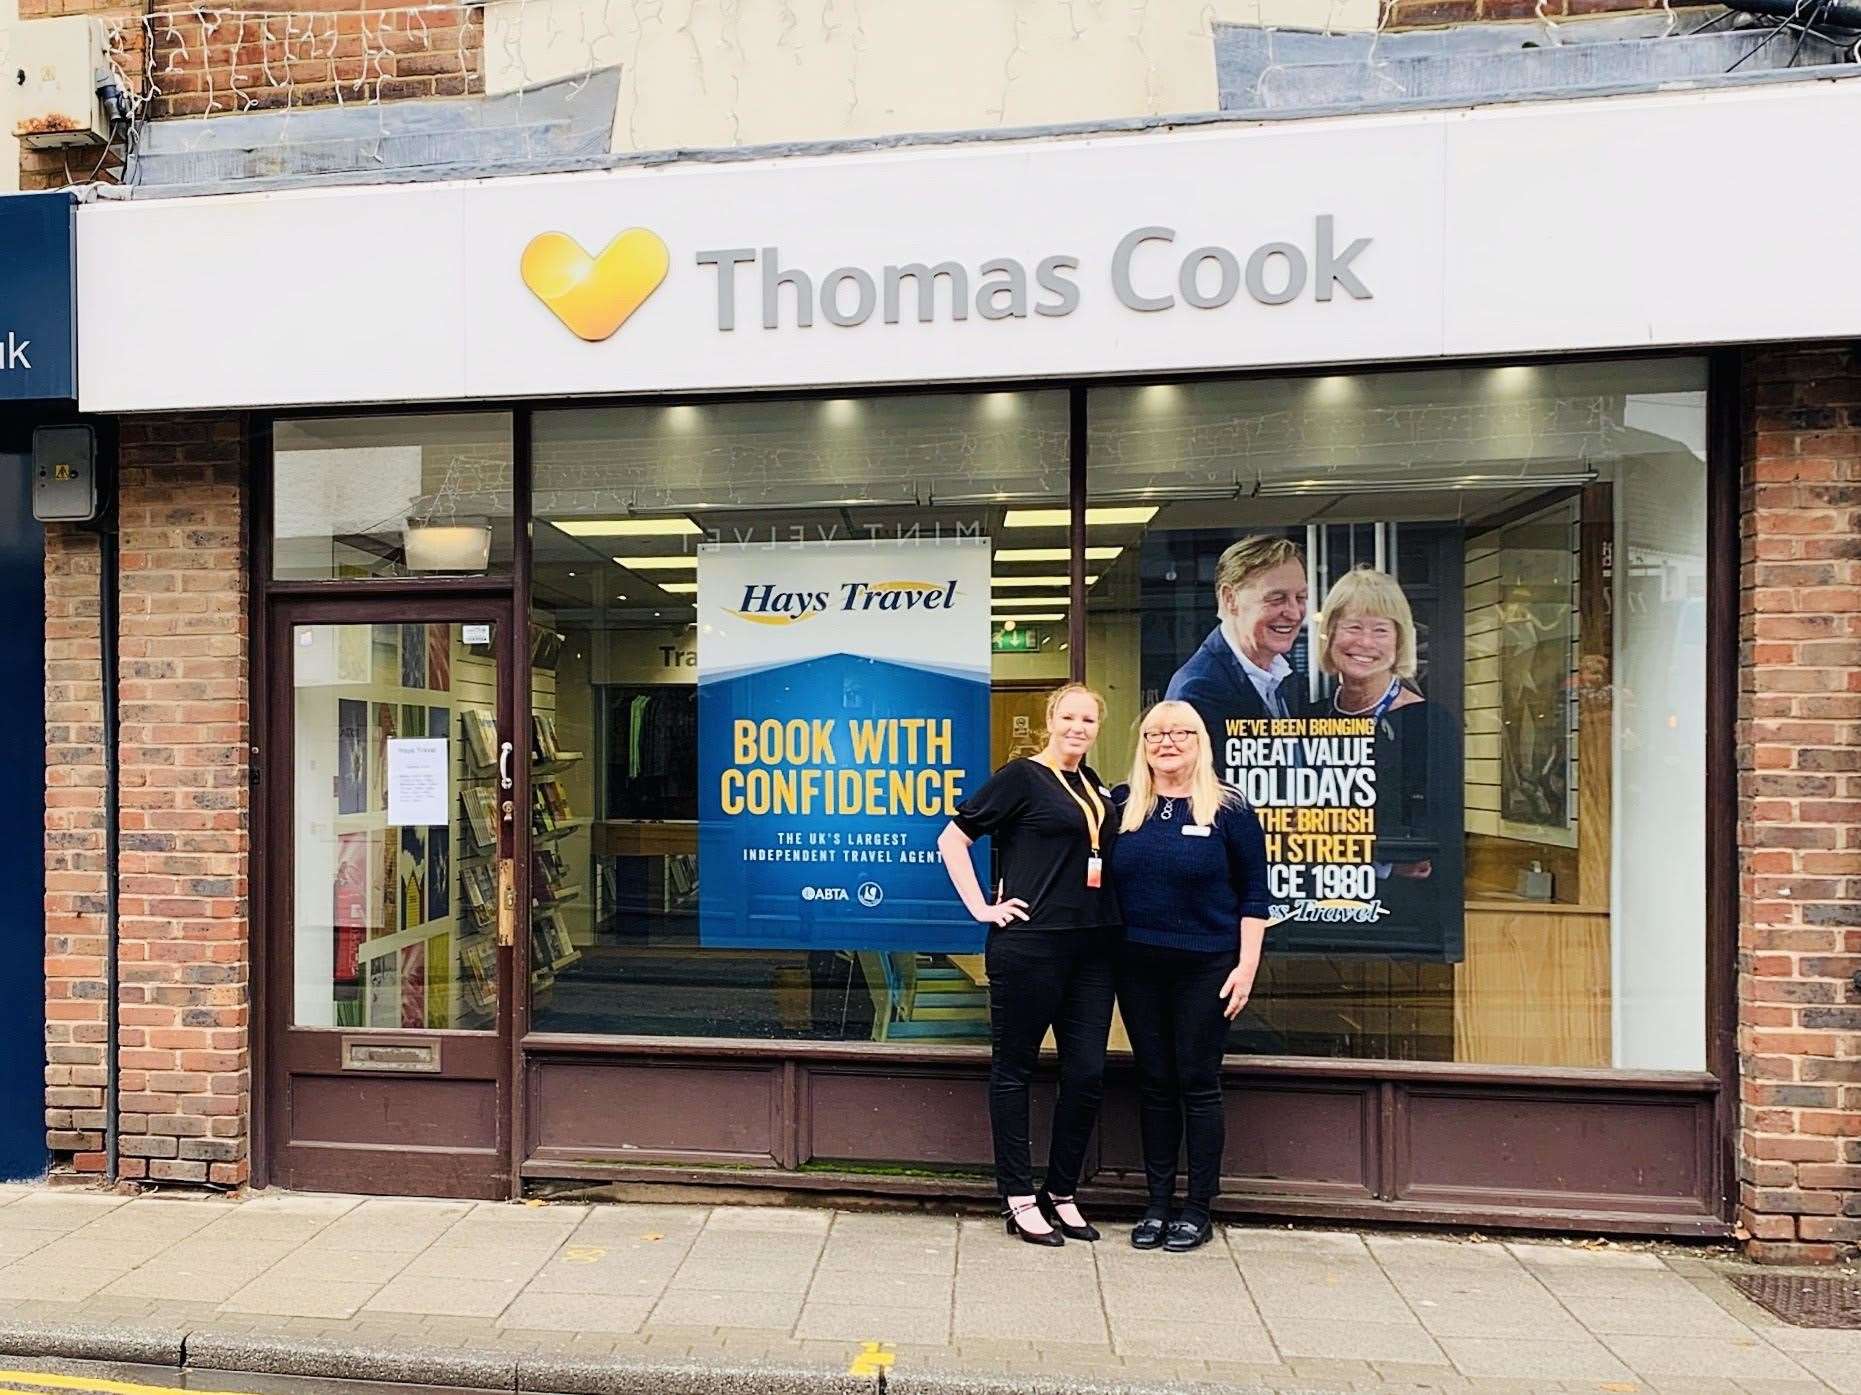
1197 830
1095 870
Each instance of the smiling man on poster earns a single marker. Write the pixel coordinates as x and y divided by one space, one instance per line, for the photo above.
843 705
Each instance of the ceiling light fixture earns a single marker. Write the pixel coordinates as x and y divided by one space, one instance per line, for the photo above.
1124 515
627 527
1035 583
658 564
1282 489
447 545
1054 554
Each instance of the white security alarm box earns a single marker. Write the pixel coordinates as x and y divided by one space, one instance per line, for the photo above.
53 67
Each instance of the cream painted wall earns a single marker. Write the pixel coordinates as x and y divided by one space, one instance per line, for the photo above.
749 72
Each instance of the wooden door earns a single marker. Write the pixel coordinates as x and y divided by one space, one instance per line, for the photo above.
389 964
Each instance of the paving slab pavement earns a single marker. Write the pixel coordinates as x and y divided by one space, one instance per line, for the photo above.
607 1299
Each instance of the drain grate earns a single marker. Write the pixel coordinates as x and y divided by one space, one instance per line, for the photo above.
1804 1301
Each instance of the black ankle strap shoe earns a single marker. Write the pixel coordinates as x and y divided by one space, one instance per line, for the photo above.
1051 1212
1012 1215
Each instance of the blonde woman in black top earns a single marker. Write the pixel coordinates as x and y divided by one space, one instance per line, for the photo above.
1052 936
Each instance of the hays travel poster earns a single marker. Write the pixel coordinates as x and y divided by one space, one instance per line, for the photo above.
843 712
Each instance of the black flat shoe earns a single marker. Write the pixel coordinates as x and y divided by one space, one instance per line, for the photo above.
1147 1234
1187 1235
1087 1232
1032 1237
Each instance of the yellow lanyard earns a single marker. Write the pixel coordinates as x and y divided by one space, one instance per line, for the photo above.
1094 811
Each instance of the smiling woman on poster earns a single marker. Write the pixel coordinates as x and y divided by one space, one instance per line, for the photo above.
1366 641
1242 669
1053 932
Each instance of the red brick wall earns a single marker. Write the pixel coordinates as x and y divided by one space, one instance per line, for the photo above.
184 739
309 54
1799 762
1426 14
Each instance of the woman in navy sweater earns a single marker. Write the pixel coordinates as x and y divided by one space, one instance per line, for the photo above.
1191 875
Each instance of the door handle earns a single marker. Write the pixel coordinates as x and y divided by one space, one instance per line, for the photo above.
507 901
504 752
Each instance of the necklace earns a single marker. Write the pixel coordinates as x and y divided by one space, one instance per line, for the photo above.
1377 708
1169 808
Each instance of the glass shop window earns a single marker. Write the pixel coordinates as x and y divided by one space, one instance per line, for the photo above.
391 496
772 644
1447 632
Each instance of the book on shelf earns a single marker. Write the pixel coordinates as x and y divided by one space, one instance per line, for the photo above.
481 817
480 892
481 737
548 877
551 937
556 798
479 976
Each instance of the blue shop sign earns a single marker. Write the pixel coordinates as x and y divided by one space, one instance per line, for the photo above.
38 297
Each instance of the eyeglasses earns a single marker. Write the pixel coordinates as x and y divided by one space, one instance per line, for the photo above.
1180 736
1371 629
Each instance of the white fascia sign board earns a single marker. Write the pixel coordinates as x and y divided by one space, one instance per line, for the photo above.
1540 228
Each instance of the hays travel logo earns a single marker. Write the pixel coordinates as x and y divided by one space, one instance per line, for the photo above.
594 296
767 603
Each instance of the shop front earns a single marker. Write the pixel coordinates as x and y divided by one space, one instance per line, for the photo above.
765 643
626 625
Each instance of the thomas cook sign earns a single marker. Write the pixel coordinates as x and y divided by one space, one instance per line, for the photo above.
1206 250
1145 272
1142 275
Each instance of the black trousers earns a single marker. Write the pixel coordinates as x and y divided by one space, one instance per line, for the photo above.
1066 980
1172 1012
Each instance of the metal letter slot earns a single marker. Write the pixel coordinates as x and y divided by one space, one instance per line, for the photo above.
507 901
416 1057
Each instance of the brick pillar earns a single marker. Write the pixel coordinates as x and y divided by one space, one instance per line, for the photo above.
185 742
74 866
1799 804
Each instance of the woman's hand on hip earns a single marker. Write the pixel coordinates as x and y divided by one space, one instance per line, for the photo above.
1236 990
1003 912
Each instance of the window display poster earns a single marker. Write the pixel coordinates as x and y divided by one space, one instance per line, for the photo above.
351 908
385 725
843 712
413 656
439 836
351 756
439 658
1353 770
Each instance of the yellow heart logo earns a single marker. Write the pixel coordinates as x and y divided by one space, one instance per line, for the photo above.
593 296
